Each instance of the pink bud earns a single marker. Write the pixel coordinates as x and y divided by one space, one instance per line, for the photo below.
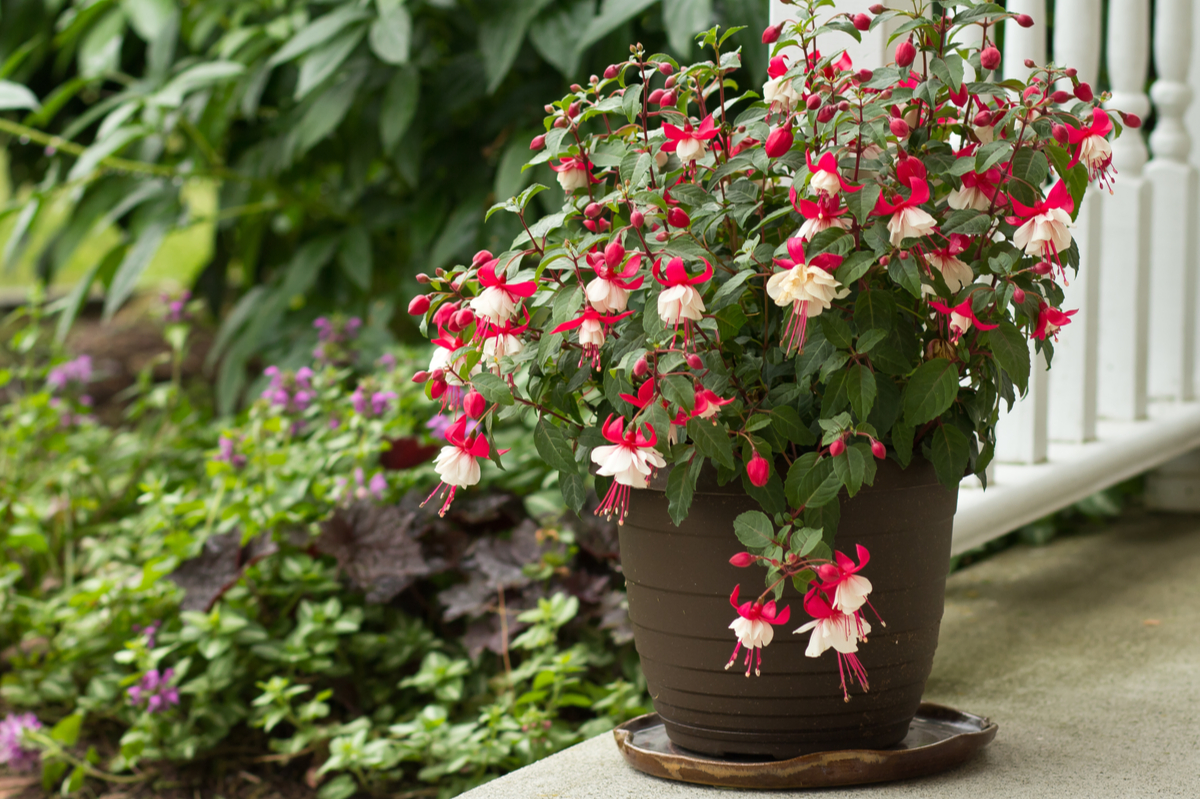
694 361
640 367
438 375
899 128
474 404
611 71
1043 268
844 105
837 448
593 210
826 113
636 219
862 22
990 58
983 119
548 108
1132 120
678 218
422 278
656 96
780 141
538 142
560 122
662 236
813 102
742 560
1018 295
1030 63
758 470
418 305
877 449
420 377
878 8
1059 131
1024 20
437 389
668 99
665 68
905 53
1061 97
573 109
482 257
772 33
669 82
1084 92
443 314
865 75
464 318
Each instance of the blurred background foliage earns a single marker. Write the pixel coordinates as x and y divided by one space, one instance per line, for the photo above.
287 158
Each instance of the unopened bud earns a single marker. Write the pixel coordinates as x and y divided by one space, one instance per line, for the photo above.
1030 63
826 113
481 258
474 404
421 377
464 317
837 448
656 96
878 8
669 98
1084 92
573 109
1071 72
1132 120
640 367
1043 268
983 119
862 22
636 219
780 141
742 560
989 58
843 106
877 449
593 210
669 82
422 278
772 33
905 53
437 388
538 142
678 218
1018 295
865 75
813 102
899 128
665 68
611 71
1059 131
758 470
560 122
1024 20
418 305
438 375
694 361
903 255
1061 97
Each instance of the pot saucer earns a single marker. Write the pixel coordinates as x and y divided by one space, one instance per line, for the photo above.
938 738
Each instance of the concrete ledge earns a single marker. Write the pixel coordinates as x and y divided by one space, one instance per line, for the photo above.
1085 651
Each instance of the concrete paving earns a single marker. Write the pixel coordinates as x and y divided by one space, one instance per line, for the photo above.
1086 652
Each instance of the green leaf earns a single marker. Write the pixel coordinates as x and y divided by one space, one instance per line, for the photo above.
399 106
787 423
148 17
905 272
391 32
930 391
991 154
949 71
318 32
556 34
950 451
860 388
494 390
967 221
712 440
850 468
554 448
324 61
1011 351
574 490
679 390
355 257
14 95
855 266
861 204
902 442
132 266
66 731
681 486
805 540
837 332
683 19
1030 166
501 35
754 529
811 483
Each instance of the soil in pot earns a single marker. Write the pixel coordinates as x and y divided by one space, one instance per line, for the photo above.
679 580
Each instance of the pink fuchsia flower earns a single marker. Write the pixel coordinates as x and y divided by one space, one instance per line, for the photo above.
1046 231
753 628
1051 320
458 462
13 750
689 143
826 212
977 191
444 359
841 581
708 404
609 291
630 460
961 319
825 175
679 301
1092 147
955 272
503 340
498 301
574 172
908 219
758 470
593 327
809 288
842 632
778 90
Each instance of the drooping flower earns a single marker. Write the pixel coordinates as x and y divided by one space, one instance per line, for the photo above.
809 288
503 340
841 581
593 327
779 88
753 627
977 190
1046 231
1092 147
630 460
826 212
574 172
1051 320
962 317
679 301
955 272
498 301
825 175
708 404
908 219
608 292
458 462
833 628
13 750
689 143
444 359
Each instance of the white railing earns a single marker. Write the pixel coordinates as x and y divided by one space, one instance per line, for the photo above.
1121 398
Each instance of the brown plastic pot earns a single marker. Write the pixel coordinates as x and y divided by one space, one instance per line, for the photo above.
679 580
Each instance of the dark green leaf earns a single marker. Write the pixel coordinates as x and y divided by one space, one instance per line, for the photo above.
399 106
1011 351
949 451
493 388
902 442
754 529
849 468
574 490
554 448
712 440
133 265
860 388
930 391
355 258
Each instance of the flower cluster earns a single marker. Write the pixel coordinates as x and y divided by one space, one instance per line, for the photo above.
334 337
363 488
176 307
78 370
291 392
14 752
154 691
849 269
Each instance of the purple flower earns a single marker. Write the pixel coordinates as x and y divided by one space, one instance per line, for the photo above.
155 691
387 361
13 751
378 485
176 309
359 401
291 392
438 424
333 336
77 370
380 402
150 631
226 451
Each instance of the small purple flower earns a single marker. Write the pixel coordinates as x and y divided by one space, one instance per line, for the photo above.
334 422
13 751
226 451
177 308
149 631
359 400
378 485
438 424
155 690
387 361
381 401
333 335
78 370
291 392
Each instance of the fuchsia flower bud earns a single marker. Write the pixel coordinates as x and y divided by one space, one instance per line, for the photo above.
813 102
482 257
878 8
640 367
1029 64
678 218
772 33
636 219
877 449
781 140
1018 295
1084 92
437 389
865 75
438 375
665 68
742 560
444 313
862 22
990 58
593 210
899 128
837 448
474 404
983 118
694 361
573 109
418 305
1024 20
1131 120
669 82
656 96
420 377
1061 97
538 142
464 318
668 99
1060 133
611 71
826 113
422 278
758 470
1043 268
905 53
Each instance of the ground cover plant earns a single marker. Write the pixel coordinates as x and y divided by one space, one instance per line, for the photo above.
177 583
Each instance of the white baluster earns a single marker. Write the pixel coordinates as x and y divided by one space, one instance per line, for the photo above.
1024 43
1076 354
1174 186
1021 435
1125 257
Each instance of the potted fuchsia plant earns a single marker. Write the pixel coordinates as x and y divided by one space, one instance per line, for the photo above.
777 327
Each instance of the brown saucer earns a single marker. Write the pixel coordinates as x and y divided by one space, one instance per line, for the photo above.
938 738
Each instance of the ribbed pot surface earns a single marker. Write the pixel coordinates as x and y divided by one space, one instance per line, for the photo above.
679 580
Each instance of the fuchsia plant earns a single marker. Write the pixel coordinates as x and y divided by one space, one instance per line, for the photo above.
787 284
